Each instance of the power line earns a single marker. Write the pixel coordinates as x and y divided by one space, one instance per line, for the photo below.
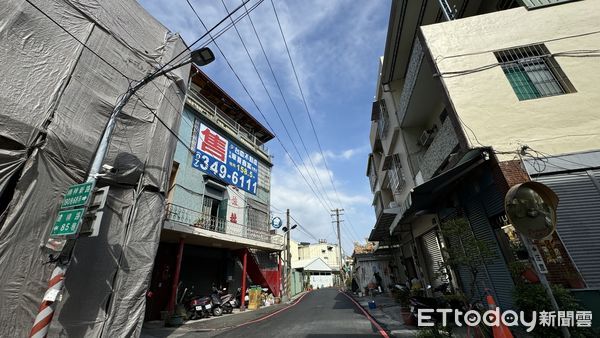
84 45
304 101
208 31
305 104
76 39
260 112
151 110
287 106
274 106
304 229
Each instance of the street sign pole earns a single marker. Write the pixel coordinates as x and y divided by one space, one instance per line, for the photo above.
550 199
43 319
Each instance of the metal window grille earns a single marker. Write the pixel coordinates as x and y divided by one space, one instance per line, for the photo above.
530 4
395 174
372 177
533 72
383 122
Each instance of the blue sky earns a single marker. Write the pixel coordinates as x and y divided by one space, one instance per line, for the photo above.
335 46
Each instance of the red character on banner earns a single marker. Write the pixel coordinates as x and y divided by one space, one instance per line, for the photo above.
234 201
214 145
233 217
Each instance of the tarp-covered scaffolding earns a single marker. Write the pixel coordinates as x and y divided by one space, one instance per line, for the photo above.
56 96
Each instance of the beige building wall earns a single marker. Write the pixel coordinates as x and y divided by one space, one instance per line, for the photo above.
294 250
485 100
329 253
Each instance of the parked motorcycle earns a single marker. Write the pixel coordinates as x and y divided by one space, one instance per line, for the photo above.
228 301
197 306
238 298
217 305
433 303
202 307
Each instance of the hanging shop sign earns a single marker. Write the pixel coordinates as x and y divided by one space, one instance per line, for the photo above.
276 222
219 157
236 206
531 208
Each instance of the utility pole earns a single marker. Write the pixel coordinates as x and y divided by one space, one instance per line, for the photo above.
337 216
45 314
288 265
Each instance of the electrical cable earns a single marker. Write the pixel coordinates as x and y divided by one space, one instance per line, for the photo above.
274 106
76 39
264 117
304 101
440 58
208 31
573 53
151 110
287 107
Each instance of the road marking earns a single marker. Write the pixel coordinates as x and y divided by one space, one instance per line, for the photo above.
369 317
267 316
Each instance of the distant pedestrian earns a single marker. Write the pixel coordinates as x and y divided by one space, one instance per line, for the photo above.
378 279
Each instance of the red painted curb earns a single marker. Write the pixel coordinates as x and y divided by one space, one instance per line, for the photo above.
274 313
368 315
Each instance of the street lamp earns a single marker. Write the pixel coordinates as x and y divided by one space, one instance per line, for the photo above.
201 57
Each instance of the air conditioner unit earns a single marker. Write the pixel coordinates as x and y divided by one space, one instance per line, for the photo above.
426 138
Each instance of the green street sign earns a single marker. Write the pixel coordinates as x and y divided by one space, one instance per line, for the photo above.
77 195
67 222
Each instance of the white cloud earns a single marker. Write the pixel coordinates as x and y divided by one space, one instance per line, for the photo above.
346 154
328 41
317 32
289 190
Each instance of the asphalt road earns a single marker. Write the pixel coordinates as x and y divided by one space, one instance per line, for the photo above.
321 313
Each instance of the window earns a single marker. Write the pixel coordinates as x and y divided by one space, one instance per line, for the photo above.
396 176
533 72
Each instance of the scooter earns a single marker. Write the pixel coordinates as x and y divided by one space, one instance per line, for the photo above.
228 301
422 302
238 298
197 306
216 304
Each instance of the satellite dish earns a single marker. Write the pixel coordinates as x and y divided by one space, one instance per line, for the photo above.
531 208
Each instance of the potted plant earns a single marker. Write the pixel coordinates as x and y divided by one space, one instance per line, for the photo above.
199 222
520 269
402 296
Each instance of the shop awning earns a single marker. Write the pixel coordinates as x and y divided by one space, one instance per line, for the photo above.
424 196
381 230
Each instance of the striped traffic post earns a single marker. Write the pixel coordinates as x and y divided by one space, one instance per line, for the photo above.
46 311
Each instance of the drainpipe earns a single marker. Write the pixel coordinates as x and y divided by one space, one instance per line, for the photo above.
243 295
172 299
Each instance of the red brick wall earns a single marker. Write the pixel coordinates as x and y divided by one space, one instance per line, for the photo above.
561 269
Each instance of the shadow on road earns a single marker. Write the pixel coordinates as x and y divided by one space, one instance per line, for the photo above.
342 302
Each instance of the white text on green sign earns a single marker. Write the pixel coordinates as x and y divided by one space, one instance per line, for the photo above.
77 195
67 222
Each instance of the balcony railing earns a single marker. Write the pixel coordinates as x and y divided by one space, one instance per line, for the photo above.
209 109
193 218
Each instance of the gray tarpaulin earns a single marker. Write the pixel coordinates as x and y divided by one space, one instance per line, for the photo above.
55 99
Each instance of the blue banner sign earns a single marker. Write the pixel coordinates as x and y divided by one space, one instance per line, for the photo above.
224 160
